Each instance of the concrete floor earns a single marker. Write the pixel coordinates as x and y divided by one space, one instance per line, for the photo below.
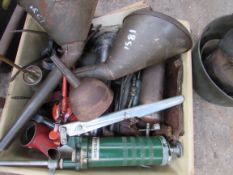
213 125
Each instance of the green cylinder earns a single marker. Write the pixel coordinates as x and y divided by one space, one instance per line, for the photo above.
120 151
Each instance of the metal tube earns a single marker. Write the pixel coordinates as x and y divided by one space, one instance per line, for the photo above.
12 25
41 119
71 77
24 163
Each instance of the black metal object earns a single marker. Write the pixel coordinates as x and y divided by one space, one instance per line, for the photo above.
103 43
202 82
142 41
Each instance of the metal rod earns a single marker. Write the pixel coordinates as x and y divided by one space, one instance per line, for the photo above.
12 25
71 77
40 119
2 58
32 74
24 163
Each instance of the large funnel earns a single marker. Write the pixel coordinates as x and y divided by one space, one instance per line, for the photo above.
146 38
65 21
68 23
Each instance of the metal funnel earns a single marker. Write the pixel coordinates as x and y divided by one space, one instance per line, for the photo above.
66 21
146 38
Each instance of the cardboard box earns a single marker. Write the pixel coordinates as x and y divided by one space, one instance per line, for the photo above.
29 50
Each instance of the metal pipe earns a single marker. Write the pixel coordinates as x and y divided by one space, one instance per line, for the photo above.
12 25
24 163
71 77
40 119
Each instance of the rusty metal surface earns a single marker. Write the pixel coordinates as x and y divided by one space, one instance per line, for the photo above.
220 68
173 117
141 36
165 131
127 128
65 21
91 99
152 89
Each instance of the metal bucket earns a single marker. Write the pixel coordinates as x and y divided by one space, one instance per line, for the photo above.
203 84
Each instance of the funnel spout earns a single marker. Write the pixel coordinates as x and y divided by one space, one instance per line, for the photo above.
62 19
